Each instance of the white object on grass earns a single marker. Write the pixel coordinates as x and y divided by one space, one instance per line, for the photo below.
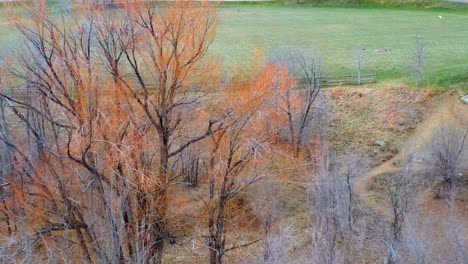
465 99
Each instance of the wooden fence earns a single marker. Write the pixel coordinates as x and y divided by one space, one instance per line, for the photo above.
347 80
328 81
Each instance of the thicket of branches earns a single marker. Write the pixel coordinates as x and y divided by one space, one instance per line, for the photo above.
103 121
106 112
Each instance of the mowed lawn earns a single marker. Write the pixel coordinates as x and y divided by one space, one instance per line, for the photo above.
335 33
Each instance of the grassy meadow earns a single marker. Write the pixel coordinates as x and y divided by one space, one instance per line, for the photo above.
335 33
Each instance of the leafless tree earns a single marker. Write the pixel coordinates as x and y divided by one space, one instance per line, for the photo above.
432 238
420 55
265 208
457 240
348 167
336 209
397 195
419 244
391 250
358 62
279 244
190 167
446 155
300 105
230 156
278 239
327 226
5 156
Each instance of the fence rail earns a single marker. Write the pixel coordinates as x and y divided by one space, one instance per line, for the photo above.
347 80
328 81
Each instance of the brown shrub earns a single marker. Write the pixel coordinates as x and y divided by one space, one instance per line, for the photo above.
339 92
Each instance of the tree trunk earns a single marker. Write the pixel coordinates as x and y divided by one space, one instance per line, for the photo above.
159 229
217 232
359 76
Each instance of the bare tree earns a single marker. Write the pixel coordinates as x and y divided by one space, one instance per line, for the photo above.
5 150
348 167
278 245
457 242
277 238
420 55
392 254
358 62
419 244
446 153
265 209
336 208
397 195
299 105
327 227
191 165
231 153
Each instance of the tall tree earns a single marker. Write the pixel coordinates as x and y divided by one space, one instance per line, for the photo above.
420 55
299 105
105 111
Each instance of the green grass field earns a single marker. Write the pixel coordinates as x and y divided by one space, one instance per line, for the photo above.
334 33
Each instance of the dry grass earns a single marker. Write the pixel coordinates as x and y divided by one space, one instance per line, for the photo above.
448 109
363 116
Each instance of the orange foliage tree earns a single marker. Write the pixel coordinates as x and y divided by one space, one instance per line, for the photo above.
102 115
105 111
239 153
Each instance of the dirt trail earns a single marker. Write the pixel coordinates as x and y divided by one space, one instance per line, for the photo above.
451 109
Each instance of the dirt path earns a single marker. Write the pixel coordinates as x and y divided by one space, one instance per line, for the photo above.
451 109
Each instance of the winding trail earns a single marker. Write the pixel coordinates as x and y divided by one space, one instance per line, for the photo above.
451 109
